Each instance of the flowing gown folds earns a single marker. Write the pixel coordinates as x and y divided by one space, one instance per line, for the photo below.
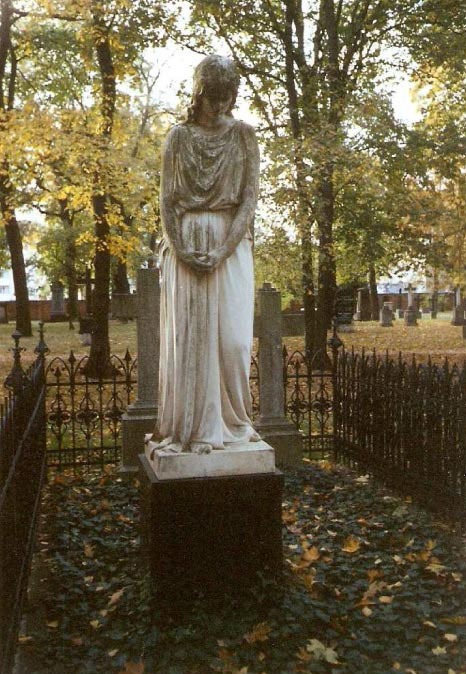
206 320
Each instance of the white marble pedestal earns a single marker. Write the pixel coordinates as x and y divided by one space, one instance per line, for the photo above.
248 458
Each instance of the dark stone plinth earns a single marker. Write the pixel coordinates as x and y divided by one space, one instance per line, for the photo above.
210 535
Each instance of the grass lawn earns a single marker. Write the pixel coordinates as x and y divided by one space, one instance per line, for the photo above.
437 338
372 585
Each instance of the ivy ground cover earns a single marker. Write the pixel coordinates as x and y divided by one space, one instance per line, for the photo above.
371 585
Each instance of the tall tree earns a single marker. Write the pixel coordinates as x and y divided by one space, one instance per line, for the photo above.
305 62
8 196
111 37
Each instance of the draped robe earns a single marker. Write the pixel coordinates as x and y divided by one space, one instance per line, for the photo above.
206 320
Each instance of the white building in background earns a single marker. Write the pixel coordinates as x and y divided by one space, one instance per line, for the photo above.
38 284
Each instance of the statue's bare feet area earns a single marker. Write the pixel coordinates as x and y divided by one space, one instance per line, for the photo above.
255 437
200 448
168 445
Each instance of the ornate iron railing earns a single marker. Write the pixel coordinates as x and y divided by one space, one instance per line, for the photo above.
309 401
406 424
22 474
84 414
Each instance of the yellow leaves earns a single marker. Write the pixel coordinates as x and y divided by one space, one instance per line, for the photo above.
24 639
436 568
53 624
351 545
385 599
116 596
96 624
289 517
372 590
366 611
373 574
439 650
88 550
326 465
363 479
450 637
321 652
259 633
454 620
308 557
113 652
308 580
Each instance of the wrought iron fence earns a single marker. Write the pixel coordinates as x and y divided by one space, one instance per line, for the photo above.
22 474
406 424
309 401
84 414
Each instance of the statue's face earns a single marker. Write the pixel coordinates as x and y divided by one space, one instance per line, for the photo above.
214 104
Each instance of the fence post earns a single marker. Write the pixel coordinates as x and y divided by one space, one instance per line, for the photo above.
272 425
140 416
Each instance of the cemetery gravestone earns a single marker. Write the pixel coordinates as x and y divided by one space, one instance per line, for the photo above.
57 309
386 316
210 492
363 307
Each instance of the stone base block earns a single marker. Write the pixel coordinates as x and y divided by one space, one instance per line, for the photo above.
236 459
136 423
210 534
284 437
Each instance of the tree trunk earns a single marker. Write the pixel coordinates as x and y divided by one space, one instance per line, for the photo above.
327 270
305 207
70 263
373 295
120 278
7 207
15 246
99 357
99 364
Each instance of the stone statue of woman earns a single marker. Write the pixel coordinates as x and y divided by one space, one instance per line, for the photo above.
209 189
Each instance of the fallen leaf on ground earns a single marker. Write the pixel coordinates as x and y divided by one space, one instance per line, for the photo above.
309 556
385 599
116 596
440 650
321 652
351 545
259 633
88 550
455 620
451 637
373 574
53 624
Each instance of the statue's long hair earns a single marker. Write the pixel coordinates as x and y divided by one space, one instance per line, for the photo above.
213 73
